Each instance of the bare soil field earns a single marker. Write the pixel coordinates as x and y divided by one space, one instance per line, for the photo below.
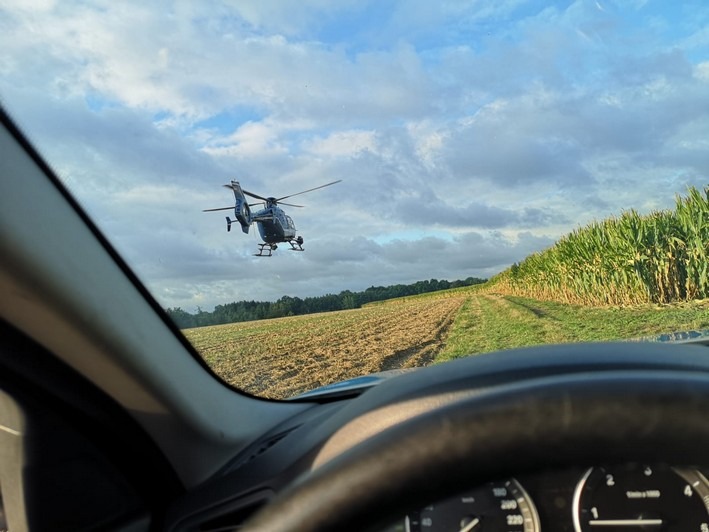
283 357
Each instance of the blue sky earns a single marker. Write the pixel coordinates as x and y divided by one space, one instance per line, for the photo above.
466 134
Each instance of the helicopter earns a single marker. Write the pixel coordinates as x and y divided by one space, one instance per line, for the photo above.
274 225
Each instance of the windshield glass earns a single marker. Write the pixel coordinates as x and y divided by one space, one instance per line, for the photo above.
318 191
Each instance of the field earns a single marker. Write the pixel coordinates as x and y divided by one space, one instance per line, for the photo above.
660 257
283 357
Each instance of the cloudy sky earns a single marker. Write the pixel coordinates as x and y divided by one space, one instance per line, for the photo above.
467 134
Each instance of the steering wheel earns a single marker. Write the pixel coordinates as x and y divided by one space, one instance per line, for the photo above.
544 422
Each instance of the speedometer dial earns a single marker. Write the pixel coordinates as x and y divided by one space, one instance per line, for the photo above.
494 507
634 497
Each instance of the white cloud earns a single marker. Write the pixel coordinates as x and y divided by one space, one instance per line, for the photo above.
342 144
493 126
701 71
250 139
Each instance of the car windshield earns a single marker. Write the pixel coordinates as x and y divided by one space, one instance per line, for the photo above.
318 191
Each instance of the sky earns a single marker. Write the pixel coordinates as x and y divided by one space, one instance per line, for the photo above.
467 135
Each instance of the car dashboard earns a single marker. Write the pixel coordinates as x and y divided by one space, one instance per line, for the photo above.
604 473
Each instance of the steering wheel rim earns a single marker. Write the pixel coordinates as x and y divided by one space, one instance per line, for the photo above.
563 420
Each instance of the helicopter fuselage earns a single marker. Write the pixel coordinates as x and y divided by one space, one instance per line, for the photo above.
274 225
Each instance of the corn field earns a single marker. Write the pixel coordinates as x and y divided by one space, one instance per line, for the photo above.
661 257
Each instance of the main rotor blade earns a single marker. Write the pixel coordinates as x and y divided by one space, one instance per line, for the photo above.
219 209
309 190
254 195
246 192
290 204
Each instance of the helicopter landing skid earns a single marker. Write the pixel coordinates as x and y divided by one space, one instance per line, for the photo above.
297 244
265 249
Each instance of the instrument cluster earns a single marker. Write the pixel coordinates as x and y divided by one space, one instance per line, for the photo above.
628 497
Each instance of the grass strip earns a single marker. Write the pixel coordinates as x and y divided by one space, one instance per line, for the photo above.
491 322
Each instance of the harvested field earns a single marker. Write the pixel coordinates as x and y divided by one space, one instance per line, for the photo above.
283 357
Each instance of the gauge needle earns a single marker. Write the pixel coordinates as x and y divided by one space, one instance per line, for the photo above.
471 525
625 522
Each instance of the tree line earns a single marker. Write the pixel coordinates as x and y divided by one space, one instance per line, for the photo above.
294 306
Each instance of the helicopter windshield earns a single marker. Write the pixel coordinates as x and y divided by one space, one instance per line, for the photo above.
470 176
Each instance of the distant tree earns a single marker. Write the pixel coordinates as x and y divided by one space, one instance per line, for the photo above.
349 300
183 319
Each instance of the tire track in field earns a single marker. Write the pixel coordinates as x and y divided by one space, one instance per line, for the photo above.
382 337
551 328
424 353
491 322
512 324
